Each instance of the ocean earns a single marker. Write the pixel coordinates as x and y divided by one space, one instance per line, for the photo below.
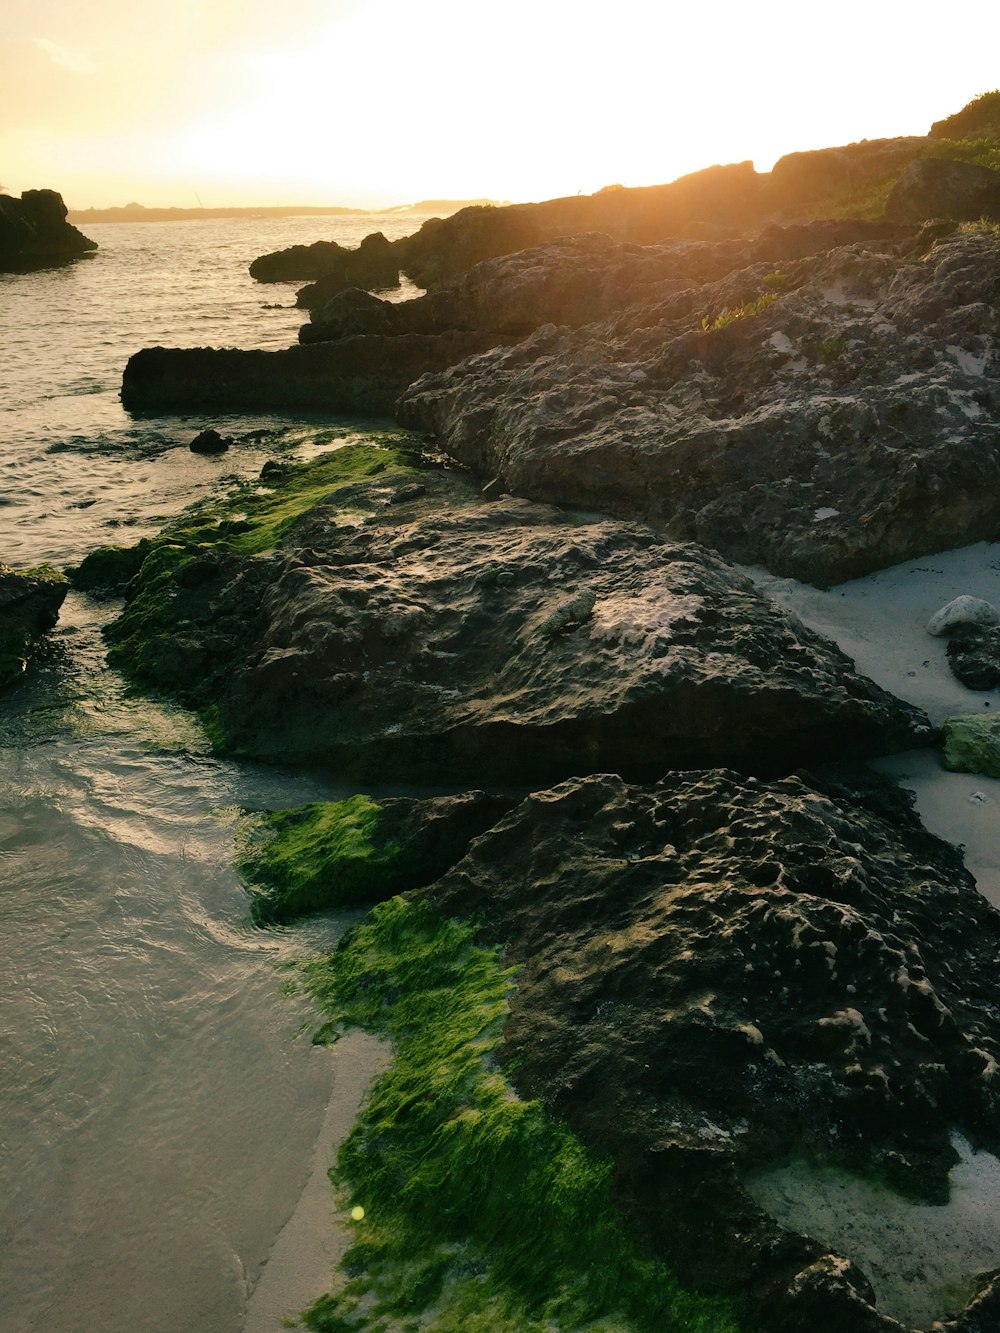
160 1095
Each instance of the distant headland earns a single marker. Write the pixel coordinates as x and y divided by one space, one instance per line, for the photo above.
134 212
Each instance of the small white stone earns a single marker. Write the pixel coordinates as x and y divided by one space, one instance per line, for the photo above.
962 611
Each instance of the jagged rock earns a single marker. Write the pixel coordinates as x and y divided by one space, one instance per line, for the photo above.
971 744
933 187
717 974
962 611
210 442
974 657
29 606
34 232
827 418
357 374
578 279
444 636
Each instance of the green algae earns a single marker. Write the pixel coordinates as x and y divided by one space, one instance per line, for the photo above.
971 744
174 577
29 606
482 1213
314 857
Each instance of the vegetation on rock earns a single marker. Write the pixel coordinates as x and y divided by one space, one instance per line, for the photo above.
481 1213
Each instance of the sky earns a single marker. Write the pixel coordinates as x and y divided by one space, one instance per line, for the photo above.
381 102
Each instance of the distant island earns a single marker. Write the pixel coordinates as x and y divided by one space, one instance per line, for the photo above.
139 213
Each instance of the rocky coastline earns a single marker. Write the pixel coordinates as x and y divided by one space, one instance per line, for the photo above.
34 232
665 929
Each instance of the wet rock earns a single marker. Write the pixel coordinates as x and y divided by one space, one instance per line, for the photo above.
974 657
933 187
831 417
358 374
971 744
29 606
351 311
210 442
34 232
443 636
717 974
962 611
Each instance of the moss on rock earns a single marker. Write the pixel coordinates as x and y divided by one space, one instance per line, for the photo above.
971 744
29 606
359 851
481 1212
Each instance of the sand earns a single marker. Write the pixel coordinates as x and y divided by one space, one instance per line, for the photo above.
313 1240
880 621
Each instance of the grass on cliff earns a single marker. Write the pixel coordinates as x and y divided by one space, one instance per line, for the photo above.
314 857
482 1214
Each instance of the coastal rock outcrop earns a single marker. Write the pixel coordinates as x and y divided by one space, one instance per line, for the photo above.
579 279
824 417
34 232
933 187
974 657
29 606
356 374
717 973
330 268
404 627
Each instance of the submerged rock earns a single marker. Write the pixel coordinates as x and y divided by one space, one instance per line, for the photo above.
826 418
405 628
29 606
210 442
34 232
717 973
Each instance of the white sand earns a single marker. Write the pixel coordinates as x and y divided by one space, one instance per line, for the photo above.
313 1240
880 621
922 1260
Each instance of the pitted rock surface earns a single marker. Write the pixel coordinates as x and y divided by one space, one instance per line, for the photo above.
413 629
974 656
718 973
578 279
850 424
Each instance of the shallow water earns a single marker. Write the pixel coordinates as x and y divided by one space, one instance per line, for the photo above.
922 1260
159 1105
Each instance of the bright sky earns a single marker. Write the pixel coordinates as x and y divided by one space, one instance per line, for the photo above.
368 102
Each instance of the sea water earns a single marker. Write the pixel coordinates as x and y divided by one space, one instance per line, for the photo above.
159 1096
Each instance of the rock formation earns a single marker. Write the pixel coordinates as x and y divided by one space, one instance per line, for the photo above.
29 606
825 418
406 628
358 374
936 188
34 232
717 973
